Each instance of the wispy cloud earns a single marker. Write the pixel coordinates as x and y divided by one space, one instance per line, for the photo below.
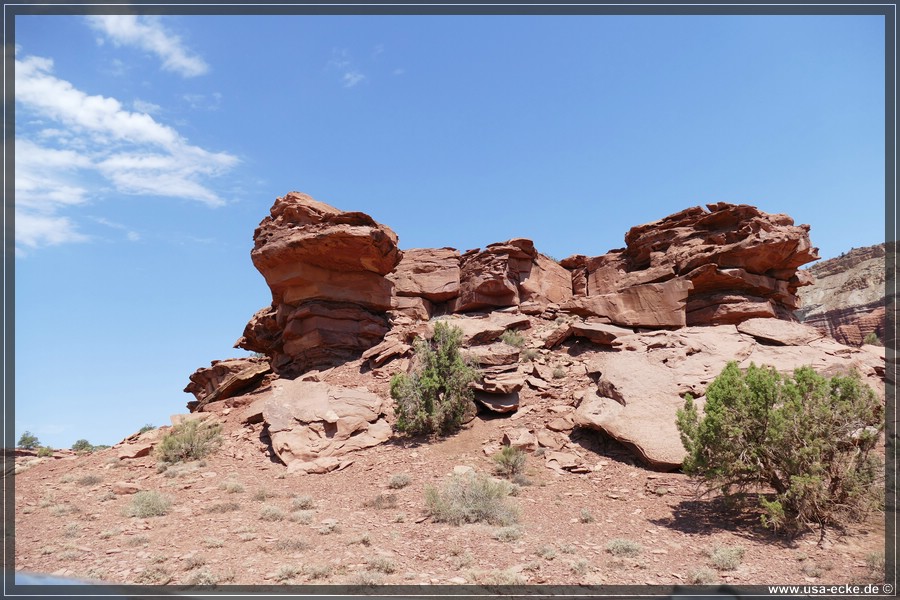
95 135
148 33
342 62
203 101
130 234
143 106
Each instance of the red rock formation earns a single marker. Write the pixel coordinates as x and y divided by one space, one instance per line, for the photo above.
326 270
224 379
847 300
508 274
734 261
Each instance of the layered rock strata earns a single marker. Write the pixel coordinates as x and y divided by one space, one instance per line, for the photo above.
847 300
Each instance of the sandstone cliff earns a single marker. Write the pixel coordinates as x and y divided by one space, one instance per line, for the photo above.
847 299
610 342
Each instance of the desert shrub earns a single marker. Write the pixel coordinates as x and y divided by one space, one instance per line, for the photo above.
510 461
399 481
303 503
45 451
223 507
559 373
508 534
270 512
146 428
383 564
28 441
702 576
512 337
872 339
726 558
585 516
231 486
148 504
623 547
189 440
434 398
808 437
82 446
89 480
286 572
471 498
383 501
528 354
494 577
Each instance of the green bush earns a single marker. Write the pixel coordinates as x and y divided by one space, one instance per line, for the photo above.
471 498
509 462
434 398
191 440
28 441
512 337
146 428
807 437
872 339
83 446
45 451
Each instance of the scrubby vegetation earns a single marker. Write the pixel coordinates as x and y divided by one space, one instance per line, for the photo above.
82 446
434 398
148 504
511 337
509 462
191 440
807 437
471 498
872 339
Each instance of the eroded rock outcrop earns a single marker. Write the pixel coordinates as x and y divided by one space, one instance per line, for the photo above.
224 379
723 264
847 300
326 269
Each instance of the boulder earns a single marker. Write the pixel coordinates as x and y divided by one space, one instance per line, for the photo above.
492 355
487 328
225 379
599 333
645 305
308 421
501 403
430 273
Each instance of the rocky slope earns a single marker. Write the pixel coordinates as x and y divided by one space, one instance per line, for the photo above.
847 299
584 363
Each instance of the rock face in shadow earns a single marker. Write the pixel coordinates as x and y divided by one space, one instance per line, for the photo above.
847 300
224 379
326 269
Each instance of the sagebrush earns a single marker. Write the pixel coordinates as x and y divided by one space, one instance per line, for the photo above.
435 396
472 498
191 440
808 437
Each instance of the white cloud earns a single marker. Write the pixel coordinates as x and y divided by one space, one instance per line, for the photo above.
147 33
145 107
341 61
95 135
132 236
203 101
352 78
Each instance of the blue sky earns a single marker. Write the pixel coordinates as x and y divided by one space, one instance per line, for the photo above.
149 148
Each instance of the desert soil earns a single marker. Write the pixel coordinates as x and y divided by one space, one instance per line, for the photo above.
350 527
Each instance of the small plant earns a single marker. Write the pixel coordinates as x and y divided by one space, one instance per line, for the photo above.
510 461
202 577
508 534
72 530
262 495
383 564
317 571
495 577
579 566
726 558
585 516
364 540
82 446
809 438
383 501
213 542
875 562
512 337
223 507
559 373
138 540
28 441
702 576
399 481
153 576
146 428
89 480
528 354
148 503
434 398
304 517
286 572
623 547
872 340
303 503
471 498
191 440
365 578
328 526
290 545
546 552
269 512
45 451
194 561
232 487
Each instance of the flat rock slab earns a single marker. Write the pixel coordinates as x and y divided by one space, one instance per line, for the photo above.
599 333
311 420
782 333
501 403
484 330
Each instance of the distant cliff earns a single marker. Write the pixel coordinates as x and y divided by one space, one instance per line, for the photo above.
847 300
